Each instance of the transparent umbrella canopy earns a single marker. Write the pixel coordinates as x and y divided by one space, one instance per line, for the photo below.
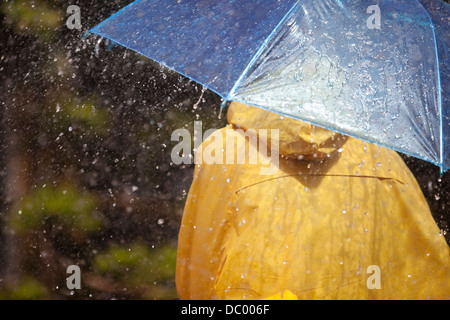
379 73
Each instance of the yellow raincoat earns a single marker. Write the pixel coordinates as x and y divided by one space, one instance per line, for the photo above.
339 219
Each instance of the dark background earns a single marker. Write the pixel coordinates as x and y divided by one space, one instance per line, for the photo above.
85 169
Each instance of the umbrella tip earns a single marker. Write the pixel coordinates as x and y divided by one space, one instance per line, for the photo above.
222 106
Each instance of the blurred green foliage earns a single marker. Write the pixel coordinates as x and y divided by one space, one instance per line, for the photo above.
35 17
148 270
27 289
71 207
85 115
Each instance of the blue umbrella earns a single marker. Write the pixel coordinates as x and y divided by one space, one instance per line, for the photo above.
377 72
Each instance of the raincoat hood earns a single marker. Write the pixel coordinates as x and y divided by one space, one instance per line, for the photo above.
297 139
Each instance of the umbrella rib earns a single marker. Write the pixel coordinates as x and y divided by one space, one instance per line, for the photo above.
260 50
441 121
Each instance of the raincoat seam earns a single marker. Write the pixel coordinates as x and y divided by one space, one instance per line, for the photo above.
319 175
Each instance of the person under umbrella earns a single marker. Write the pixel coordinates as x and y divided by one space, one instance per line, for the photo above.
339 219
